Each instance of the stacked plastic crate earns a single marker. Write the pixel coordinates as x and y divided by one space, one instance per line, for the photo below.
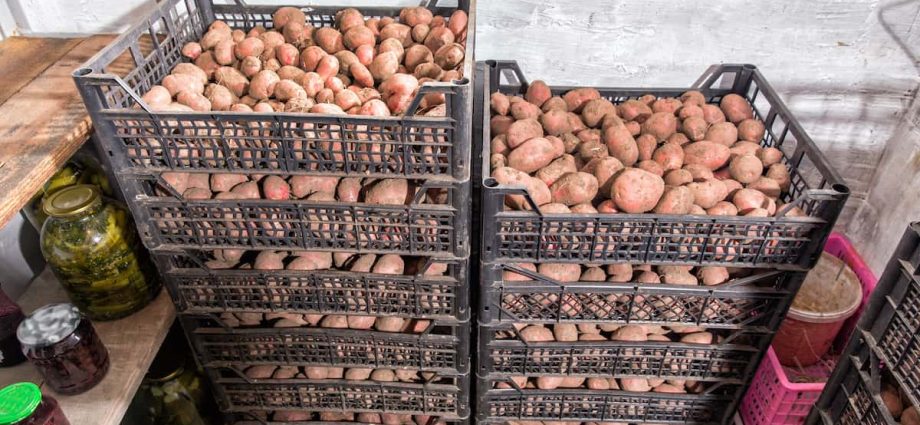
312 342
597 371
883 351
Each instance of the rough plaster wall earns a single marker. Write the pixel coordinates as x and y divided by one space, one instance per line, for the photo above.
839 64
894 197
78 16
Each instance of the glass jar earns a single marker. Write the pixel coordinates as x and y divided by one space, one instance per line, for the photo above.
172 392
64 347
80 169
10 318
23 404
93 249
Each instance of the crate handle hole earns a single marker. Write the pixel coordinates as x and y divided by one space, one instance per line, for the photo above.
83 71
490 182
842 188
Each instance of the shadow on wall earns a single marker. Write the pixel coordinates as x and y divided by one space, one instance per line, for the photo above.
884 19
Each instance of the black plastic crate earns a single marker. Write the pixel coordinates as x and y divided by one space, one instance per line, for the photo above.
445 397
783 242
442 348
197 289
502 405
250 419
755 303
166 221
731 361
269 143
852 395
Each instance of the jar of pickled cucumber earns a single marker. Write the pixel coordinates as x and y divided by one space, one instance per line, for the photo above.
80 169
93 248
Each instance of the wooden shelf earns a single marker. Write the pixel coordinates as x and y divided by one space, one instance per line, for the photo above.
132 342
42 118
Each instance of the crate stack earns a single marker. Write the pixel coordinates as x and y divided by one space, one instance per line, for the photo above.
543 379
883 350
288 345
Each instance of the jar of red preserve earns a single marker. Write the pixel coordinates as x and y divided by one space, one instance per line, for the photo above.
24 404
10 318
64 347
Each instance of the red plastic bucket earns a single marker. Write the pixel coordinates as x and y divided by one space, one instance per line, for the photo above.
829 296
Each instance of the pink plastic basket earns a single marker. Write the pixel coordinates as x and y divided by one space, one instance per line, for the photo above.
772 398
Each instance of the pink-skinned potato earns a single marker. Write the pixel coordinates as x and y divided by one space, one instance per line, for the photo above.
736 108
522 131
746 168
538 93
560 166
527 110
636 191
634 110
751 130
723 133
676 200
708 193
574 188
576 99
712 114
660 124
646 143
595 110
539 191
709 154
532 155
670 156
678 177
621 144
276 188
604 170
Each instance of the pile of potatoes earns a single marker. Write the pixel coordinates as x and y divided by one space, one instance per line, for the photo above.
359 66
898 404
625 273
580 153
330 321
392 264
230 186
590 332
364 418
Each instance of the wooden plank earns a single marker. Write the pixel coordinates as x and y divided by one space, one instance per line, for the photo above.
132 342
24 58
41 126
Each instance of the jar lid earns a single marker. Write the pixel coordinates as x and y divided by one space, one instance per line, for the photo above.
18 401
49 325
71 201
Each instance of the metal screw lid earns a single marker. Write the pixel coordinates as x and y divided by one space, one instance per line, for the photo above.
18 401
49 325
71 201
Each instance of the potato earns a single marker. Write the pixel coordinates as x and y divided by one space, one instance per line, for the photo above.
746 168
634 110
648 277
595 110
565 332
389 264
709 154
275 188
712 275
191 50
246 190
712 114
647 145
225 182
287 14
555 208
741 148
722 208
678 177
652 167
635 385
522 131
910 416
526 110
748 199
695 128
736 108
697 338
334 321
634 333
593 274
598 384
575 100
670 156
383 375
269 260
574 188
196 194
693 97
560 166
679 278
532 155
554 103
780 173
562 272
676 200
177 83
603 169
751 130
636 191
449 56
668 389
766 185
707 193
549 382
621 144
260 371
769 156
500 103
389 324
538 93
690 110
538 190
157 97
311 260
389 192
660 124
536 333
